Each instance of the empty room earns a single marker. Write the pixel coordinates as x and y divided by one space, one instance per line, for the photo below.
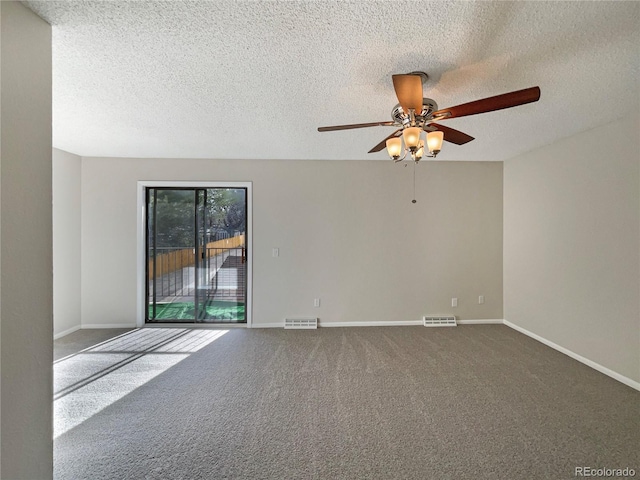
319 239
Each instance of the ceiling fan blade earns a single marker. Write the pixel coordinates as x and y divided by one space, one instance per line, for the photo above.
383 143
452 135
506 100
409 91
355 125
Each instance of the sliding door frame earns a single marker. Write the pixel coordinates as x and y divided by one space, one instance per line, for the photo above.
141 259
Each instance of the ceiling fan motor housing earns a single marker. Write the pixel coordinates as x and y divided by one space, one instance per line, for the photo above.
401 117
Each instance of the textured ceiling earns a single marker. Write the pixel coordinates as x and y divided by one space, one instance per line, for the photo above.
251 79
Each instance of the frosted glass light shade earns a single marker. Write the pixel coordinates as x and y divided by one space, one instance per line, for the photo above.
434 141
394 147
411 136
420 151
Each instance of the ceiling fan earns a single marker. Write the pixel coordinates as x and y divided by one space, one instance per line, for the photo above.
415 114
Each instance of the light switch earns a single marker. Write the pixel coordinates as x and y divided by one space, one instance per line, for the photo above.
275 252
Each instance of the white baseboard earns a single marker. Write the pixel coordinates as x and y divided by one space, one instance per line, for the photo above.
404 323
596 366
108 325
343 324
66 332
482 321
401 323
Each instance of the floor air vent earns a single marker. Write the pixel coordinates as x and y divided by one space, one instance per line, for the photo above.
439 321
301 323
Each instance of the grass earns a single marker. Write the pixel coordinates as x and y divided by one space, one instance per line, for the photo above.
210 310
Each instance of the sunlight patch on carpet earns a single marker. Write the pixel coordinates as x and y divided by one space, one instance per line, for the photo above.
93 379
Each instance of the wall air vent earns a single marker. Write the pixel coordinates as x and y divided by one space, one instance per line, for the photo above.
439 321
304 323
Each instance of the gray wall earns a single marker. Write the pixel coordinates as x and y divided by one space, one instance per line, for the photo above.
571 244
347 233
25 244
66 242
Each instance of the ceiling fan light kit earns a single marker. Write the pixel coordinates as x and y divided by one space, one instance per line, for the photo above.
415 114
414 144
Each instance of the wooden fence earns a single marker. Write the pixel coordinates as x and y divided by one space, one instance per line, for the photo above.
178 259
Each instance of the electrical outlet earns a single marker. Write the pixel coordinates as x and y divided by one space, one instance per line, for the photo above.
481 299
316 302
454 302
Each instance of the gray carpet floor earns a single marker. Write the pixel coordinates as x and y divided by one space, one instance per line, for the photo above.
77 341
470 402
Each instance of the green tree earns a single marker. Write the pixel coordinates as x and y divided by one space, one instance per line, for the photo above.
174 214
226 210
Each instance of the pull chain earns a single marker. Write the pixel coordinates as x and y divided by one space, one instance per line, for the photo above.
414 183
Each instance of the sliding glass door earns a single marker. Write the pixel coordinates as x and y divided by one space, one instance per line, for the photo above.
196 250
